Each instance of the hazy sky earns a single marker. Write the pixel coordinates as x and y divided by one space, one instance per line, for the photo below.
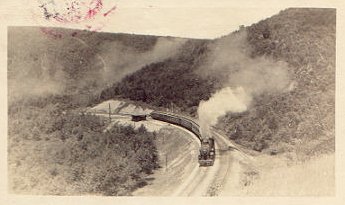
195 19
186 22
184 18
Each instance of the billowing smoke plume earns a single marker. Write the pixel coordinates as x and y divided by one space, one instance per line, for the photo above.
121 61
241 76
44 65
227 99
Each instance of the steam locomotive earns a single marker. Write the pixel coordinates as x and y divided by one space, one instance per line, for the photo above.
207 152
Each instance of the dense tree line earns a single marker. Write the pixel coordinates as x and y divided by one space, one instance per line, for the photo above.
305 39
52 148
55 150
172 84
52 151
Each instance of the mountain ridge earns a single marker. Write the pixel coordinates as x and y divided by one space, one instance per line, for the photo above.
303 38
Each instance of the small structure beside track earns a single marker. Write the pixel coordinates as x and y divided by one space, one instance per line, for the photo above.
138 117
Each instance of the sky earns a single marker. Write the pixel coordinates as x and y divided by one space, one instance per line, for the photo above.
192 19
182 18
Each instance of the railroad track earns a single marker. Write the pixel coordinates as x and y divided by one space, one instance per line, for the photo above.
202 181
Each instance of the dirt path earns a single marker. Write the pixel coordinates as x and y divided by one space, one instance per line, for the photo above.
178 151
234 172
204 178
275 176
188 179
180 174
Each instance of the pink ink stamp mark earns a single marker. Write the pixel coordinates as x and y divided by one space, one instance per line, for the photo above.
110 10
74 12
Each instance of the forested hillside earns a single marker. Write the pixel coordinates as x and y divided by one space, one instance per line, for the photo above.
171 83
303 117
302 120
52 148
58 72
79 63
70 154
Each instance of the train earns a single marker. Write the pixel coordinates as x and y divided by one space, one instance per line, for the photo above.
207 152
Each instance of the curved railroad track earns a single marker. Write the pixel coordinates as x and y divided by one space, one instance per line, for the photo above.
202 181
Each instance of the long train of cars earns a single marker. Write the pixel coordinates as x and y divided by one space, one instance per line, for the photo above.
207 151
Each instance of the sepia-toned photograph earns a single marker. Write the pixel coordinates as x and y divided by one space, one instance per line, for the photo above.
242 106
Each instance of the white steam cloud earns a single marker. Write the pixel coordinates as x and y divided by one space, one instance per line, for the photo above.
227 99
121 61
43 65
241 76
